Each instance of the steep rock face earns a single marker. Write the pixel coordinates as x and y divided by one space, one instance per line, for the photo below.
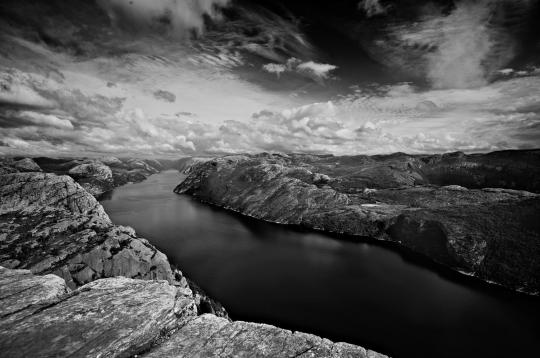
95 177
489 233
211 336
116 317
50 224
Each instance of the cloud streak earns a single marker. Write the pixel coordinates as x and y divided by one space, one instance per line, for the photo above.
175 17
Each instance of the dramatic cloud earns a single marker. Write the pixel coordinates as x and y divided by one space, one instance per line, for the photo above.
319 70
22 118
15 92
313 70
468 48
461 45
263 79
372 7
276 68
176 17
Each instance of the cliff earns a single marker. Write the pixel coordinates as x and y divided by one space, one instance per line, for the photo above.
433 205
74 284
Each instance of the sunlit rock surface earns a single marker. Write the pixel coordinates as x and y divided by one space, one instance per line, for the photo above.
27 165
435 205
121 317
116 317
211 336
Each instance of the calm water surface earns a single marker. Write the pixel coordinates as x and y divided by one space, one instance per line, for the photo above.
355 292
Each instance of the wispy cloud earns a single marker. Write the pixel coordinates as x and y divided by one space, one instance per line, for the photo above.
311 69
174 17
372 7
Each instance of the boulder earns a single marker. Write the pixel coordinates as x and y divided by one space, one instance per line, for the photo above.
95 177
27 165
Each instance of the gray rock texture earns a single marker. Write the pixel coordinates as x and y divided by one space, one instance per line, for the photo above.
50 224
116 317
96 178
121 317
211 336
101 175
491 233
27 165
10 165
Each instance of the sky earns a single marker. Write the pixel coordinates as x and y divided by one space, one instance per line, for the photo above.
169 78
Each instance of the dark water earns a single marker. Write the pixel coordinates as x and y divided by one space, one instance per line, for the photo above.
355 292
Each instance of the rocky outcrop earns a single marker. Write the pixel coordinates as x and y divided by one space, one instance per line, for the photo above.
96 178
10 165
211 336
117 317
27 165
489 233
184 165
50 224
101 175
121 317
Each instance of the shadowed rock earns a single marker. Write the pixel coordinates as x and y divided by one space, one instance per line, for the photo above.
493 234
50 224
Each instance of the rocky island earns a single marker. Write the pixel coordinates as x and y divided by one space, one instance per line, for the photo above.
476 214
74 284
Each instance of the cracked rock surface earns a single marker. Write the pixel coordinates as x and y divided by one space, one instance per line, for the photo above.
211 336
50 224
121 317
434 205
115 317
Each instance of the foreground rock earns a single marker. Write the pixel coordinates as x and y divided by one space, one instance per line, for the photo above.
121 317
211 336
493 234
116 317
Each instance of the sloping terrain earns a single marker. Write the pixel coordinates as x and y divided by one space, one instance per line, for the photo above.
491 233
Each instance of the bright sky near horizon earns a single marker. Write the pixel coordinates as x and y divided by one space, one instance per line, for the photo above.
197 77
